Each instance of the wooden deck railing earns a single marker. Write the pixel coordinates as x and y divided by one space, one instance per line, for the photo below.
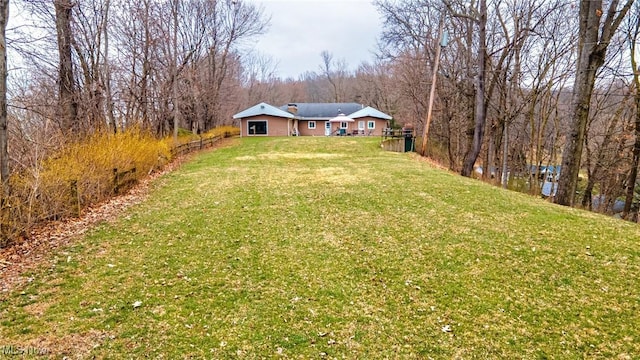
396 133
398 140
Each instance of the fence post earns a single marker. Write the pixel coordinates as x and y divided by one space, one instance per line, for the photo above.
4 222
115 180
76 196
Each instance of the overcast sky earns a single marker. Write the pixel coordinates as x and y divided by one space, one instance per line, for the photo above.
301 29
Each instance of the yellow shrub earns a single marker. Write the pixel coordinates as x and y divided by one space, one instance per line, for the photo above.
79 175
85 173
223 130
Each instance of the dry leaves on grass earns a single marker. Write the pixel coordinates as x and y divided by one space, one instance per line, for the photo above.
30 253
76 346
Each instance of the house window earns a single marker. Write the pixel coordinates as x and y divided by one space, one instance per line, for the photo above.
371 125
343 125
312 124
257 127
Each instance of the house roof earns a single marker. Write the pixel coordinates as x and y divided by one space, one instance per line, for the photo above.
323 110
263 109
313 111
369 111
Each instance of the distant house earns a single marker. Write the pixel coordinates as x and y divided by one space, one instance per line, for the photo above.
312 119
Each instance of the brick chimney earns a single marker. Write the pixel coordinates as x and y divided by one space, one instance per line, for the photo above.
292 108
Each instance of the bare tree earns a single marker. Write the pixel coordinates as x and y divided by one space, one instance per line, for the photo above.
480 113
595 35
175 11
375 86
260 81
107 69
181 73
67 97
409 36
325 68
633 34
335 72
138 51
602 144
4 138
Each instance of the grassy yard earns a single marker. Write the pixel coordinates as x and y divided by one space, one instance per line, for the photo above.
331 248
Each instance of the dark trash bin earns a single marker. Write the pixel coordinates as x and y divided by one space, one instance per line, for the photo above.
408 141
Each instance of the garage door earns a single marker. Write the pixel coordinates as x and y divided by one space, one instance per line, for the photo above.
257 127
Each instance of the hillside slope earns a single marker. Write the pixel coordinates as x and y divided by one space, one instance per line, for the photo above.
329 247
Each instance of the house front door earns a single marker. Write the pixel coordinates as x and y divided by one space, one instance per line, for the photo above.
327 128
361 127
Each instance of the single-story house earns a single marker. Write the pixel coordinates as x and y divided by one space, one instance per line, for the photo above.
312 119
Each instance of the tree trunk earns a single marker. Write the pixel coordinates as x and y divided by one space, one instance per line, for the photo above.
480 113
587 197
4 134
592 49
107 70
635 162
176 108
504 179
67 101
589 61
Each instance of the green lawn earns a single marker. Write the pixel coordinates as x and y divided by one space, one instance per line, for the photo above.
330 247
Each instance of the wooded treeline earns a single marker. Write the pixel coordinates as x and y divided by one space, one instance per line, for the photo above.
527 84
521 84
79 69
122 63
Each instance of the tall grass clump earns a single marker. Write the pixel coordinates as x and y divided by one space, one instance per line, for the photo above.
78 175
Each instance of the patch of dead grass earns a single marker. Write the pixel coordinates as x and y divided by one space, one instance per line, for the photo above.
73 346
